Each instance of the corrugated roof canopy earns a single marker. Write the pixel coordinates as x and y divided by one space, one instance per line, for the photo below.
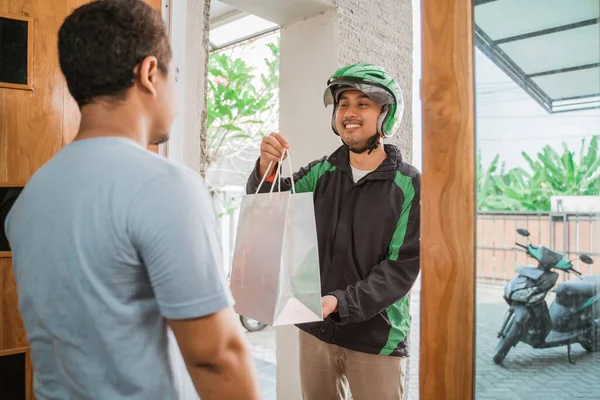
551 48
229 26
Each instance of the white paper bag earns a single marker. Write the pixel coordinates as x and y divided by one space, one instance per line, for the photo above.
275 276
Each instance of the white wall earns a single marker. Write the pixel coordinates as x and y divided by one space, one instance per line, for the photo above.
187 24
174 15
417 137
308 58
189 39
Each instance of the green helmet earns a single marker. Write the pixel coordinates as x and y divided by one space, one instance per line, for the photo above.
375 82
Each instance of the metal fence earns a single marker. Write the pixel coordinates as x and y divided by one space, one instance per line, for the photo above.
570 233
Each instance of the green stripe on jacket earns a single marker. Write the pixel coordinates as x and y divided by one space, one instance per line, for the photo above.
399 312
308 183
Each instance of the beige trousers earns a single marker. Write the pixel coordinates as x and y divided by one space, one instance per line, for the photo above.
328 371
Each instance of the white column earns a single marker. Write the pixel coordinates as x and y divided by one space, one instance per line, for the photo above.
188 29
416 85
308 58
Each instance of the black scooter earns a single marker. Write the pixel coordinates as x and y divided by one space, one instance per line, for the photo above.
573 317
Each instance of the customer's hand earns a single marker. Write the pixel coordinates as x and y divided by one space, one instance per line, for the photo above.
329 304
271 148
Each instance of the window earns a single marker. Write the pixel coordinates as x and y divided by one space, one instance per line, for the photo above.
15 52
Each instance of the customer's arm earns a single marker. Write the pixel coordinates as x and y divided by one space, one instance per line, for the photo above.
217 356
174 229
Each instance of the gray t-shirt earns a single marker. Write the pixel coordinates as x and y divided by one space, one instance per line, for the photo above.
358 174
108 239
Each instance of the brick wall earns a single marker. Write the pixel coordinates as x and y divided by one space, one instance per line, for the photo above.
380 32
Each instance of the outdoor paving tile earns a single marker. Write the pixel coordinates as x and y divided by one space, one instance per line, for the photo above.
527 373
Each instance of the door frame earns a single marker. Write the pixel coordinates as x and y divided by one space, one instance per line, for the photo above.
448 215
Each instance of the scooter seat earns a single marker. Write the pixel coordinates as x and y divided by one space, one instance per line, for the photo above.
591 278
577 291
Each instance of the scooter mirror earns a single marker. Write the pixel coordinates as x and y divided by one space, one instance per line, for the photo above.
586 259
523 232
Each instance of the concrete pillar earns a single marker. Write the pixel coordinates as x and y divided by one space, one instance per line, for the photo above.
309 55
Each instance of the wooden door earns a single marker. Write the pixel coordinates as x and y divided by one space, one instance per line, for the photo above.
31 127
448 202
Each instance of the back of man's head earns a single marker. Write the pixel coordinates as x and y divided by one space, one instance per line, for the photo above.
101 43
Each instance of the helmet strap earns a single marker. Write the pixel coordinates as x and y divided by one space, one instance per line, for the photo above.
372 144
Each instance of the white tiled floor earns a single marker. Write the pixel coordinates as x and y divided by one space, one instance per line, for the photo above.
263 349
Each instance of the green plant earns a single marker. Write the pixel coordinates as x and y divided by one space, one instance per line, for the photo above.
550 174
238 107
489 196
241 104
563 173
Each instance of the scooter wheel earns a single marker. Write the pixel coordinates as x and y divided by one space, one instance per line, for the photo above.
508 341
591 344
590 347
251 325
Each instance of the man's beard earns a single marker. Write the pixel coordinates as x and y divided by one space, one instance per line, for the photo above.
354 141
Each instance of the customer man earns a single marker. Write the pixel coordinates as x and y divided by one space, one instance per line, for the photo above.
367 212
111 243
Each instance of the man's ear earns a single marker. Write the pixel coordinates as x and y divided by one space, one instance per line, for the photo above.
146 73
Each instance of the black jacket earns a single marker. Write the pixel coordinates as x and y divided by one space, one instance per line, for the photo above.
368 238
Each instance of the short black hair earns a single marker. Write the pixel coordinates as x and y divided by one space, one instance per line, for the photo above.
101 42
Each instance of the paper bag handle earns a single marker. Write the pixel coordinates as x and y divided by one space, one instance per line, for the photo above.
277 174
